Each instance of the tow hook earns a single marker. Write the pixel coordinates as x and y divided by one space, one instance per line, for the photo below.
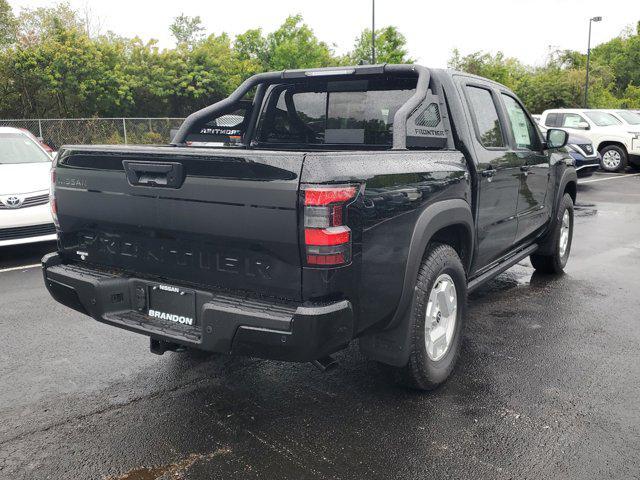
325 363
160 346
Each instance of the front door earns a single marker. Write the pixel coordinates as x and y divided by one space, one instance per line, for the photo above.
499 177
525 142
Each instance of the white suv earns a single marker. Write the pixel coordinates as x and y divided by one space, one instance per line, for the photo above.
616 139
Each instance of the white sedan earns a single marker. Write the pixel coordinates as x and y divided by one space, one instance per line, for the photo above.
25 215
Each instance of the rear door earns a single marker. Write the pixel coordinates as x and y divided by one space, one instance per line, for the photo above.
526 145
499 175
218 217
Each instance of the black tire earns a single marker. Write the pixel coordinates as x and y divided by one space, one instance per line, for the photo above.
614 149
554 262
421 372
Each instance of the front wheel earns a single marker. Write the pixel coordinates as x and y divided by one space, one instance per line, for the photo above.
614 159
561 237
436 319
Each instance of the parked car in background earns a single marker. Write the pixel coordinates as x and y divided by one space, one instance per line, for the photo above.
627 117
40 141
583 152
617 142
537 118
25 215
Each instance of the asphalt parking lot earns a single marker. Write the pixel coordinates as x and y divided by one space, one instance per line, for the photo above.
548 385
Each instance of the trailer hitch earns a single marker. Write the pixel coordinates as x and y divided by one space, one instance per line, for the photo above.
160 346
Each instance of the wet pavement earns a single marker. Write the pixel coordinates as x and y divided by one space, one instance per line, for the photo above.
548 385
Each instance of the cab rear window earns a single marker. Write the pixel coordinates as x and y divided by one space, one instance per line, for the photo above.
354 112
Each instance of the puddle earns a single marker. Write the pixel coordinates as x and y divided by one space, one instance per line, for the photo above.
173 469
143 473
585 210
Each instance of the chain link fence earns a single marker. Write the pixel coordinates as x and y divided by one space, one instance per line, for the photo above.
72 131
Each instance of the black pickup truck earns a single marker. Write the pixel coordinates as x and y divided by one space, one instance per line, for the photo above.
311 208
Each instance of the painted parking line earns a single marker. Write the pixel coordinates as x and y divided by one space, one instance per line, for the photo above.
609 178
22 267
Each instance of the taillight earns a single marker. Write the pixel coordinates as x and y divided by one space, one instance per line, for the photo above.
327 240
52 197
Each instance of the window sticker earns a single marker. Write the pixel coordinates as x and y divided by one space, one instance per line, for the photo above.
572 121
520 128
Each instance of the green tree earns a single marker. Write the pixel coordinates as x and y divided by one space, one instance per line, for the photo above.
66 74
51 65
252 46
7 24
36 25
622 56
505 70
188 31
391 47
631 97
294 45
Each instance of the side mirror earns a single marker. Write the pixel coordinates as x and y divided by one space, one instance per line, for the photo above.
556 138
583 126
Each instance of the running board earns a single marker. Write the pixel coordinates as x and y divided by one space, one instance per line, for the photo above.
501 267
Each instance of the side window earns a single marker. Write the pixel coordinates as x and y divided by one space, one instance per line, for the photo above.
524 132
571 120
486 116
552 120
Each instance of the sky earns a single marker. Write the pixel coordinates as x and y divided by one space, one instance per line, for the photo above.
525 29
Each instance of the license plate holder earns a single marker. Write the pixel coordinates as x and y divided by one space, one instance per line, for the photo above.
172 304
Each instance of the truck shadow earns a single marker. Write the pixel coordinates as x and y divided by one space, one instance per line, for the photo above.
292 421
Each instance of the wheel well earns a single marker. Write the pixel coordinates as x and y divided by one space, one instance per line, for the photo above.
458 237
571 189
608 143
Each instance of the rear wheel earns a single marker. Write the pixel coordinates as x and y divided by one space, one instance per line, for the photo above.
561 237
436 319
614 158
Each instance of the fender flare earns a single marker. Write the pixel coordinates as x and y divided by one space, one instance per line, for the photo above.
568 175
391 345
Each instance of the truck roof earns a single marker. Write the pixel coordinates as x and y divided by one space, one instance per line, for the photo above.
570 110
376 69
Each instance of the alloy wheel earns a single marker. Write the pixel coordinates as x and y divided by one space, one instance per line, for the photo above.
441 314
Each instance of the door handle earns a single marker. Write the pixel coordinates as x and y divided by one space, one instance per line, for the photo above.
168 174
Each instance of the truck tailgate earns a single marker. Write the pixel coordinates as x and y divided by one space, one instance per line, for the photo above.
215 217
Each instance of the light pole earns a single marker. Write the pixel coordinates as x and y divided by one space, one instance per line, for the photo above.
586 85
373 32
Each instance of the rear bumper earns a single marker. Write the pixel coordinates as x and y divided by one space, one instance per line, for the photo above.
225 323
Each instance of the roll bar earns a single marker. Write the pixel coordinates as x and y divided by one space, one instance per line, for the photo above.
228 104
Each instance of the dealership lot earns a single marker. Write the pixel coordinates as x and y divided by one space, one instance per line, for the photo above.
547 386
